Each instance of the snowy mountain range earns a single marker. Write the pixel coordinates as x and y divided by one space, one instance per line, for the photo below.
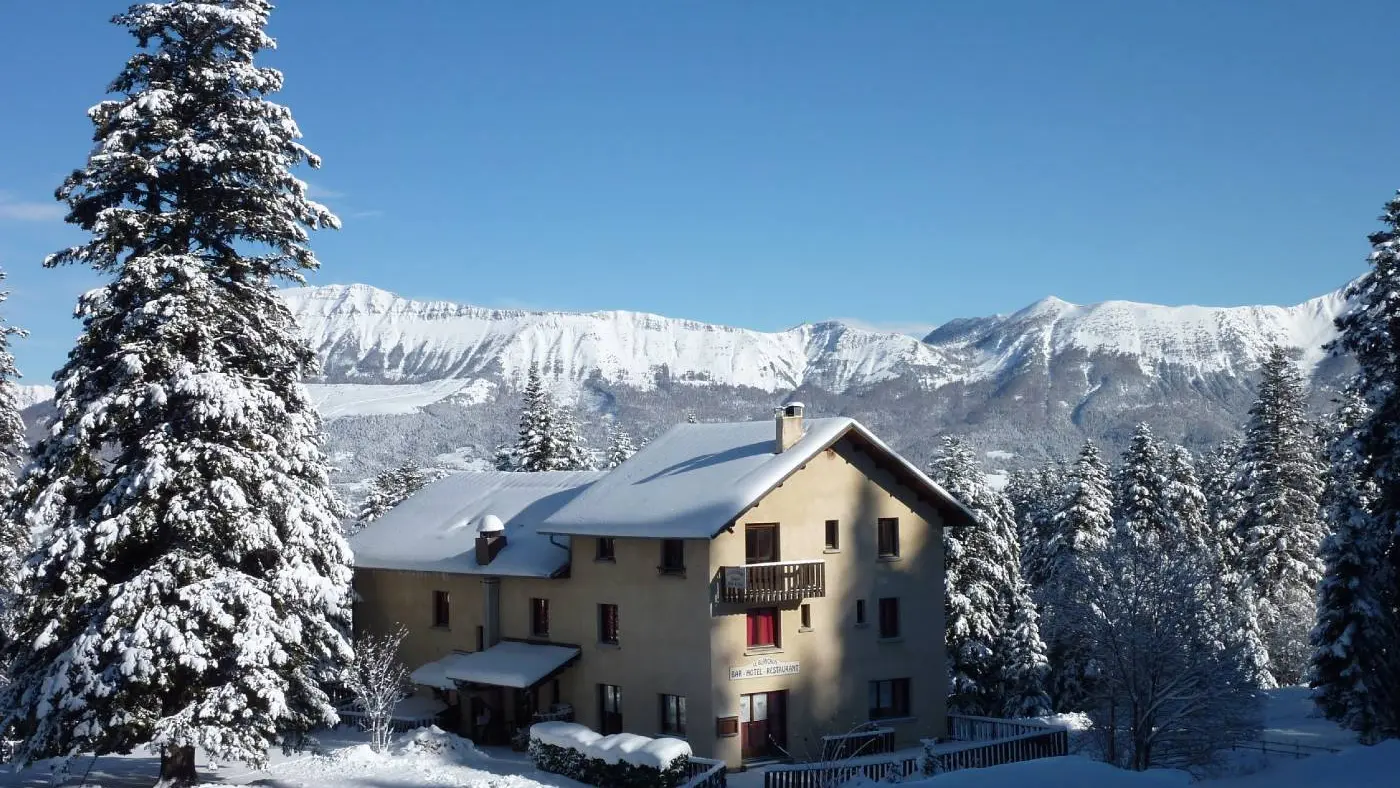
438 381
370 336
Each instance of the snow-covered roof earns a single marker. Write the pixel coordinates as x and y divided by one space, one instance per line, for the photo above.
435 530
507 664
434 674
694 479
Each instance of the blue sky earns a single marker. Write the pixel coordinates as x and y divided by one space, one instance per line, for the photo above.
765 164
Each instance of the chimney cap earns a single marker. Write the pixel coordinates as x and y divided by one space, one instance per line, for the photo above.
793 409
492 524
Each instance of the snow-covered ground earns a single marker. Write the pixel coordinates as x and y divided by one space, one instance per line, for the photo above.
421 758
433 758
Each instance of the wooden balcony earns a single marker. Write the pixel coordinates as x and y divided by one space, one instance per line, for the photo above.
779 581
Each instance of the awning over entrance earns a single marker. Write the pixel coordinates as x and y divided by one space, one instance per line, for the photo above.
506 664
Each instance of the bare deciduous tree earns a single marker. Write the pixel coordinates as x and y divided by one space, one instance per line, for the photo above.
378 682
1172 684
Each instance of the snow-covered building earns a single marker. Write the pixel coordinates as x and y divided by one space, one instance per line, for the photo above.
750 587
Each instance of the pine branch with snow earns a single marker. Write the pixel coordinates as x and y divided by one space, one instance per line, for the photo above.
192 588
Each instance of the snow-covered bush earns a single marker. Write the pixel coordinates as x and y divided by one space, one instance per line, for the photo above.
622 760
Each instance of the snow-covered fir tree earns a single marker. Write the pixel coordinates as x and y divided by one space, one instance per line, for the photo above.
1079 533
1218 471
1035 495
1233 602
995 653
1345 672
192 588
14 535
1140 489
1186 501
548 438
620 446
570 452
1281 525
391 487
1368 334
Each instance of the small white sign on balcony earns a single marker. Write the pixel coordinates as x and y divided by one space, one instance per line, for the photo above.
763 668
735 577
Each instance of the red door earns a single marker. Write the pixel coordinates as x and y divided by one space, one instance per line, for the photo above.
763 724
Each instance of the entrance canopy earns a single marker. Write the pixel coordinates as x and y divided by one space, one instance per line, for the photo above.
507 664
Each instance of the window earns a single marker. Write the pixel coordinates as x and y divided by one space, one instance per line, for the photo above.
889 617
609 709
763 627
607 624
673 715
889 699
806 612
833 535
760 544
888 528
604 549
539 618
672 556
860 612
441 609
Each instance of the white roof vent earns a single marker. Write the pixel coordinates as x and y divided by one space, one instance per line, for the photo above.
491 524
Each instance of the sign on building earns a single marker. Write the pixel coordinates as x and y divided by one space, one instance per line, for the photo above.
763 668
735 577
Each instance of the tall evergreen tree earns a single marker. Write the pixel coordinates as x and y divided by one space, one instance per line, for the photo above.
1232 597
193 586
570 453
1345 673
620 446
1140 490
14 535
1035 495
1079 533
995 653
1282 484
1369 333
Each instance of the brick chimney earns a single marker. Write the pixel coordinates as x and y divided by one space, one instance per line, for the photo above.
789 424
491 539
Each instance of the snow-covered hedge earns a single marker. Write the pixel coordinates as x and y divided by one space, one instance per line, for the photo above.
624 760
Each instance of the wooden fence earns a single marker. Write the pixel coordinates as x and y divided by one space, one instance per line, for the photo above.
973 742
871 741
705 773
1292 749
827 775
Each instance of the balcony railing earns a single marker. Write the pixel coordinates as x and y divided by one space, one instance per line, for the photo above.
779 581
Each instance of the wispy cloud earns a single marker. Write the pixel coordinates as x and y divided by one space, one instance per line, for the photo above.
316 192
17 210
373 213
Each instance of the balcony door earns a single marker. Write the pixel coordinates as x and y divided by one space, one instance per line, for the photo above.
761 543
763 724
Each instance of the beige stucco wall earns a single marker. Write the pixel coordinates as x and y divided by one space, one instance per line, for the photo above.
838 659
673 641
